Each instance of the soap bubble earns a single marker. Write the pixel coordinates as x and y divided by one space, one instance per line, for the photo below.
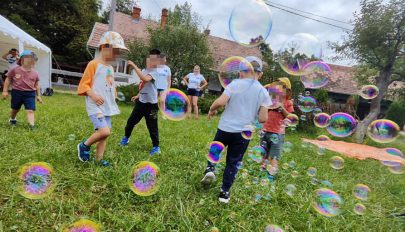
322 138
290 190
361 191
321 151
327 202
36 180
83 225
174 105
71 137
318 74
359 209
230 69
369 91
341 125
337 162
145 178
321 120
287 146
311 171
383 131
273 228
215 151
120 97
248 131
294 174
257 153
303 117
291 120
307 104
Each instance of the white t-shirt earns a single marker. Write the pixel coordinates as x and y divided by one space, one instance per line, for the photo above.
148 93
243 106
194 81
164 72
12 61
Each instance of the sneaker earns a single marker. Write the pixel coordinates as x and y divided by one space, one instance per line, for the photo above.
124 141
154 151
209 177
224 197
12 122
83 152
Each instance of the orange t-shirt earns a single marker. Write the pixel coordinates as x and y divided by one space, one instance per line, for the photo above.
275 119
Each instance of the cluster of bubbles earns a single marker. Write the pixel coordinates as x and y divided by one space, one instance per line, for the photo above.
83 225
36 180
175 105
144 178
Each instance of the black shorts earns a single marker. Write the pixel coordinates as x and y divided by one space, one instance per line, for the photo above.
193 92
26 98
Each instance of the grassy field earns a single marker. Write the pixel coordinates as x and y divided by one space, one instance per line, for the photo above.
102 194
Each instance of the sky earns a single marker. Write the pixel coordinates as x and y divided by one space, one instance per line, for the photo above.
284 24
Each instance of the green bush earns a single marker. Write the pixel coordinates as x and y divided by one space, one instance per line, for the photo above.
129 91
321 95
204 103
396 112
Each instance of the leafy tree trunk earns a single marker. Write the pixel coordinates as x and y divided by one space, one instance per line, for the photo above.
382 82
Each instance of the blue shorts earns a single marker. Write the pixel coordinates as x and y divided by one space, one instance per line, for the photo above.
100 122
19 98
193 92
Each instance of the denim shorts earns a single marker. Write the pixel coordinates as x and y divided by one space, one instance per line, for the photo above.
100 121
19 98
273 143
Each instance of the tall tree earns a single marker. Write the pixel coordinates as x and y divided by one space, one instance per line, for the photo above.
123 6
377 40
62 25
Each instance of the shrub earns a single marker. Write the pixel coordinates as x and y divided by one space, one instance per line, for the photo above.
321 95
204 103
129 91
396 113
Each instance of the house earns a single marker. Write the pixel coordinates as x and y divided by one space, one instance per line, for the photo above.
130 27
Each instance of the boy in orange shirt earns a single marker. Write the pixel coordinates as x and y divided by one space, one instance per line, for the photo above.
98 85
274 129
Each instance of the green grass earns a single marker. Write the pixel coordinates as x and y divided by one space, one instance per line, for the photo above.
102 194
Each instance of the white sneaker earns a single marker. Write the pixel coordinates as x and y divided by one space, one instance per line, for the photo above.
209 178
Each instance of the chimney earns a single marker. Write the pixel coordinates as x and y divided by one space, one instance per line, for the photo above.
163 19
136 13
207 32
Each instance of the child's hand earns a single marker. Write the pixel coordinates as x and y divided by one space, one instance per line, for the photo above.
39 99
4 95
132 64
133 99
211 114
97 99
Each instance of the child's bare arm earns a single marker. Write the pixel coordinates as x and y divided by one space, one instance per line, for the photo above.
144 78
38 89
5 87
263 116
220 102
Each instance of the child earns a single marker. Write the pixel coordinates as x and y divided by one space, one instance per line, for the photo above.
97 84
12 58
274 129
241 109
146 105
24 80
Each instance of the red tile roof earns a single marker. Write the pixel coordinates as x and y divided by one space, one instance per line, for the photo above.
123 24
342 80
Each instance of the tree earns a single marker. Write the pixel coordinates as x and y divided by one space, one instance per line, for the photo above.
182 42
62 25
123 6
377 40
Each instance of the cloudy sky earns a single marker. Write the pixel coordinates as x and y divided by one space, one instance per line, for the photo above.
217 12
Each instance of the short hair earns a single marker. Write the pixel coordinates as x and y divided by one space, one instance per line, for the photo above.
154 52
255 65
14 50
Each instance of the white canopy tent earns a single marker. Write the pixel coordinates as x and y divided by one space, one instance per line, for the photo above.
12 36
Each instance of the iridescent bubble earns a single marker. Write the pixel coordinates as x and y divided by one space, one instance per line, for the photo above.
290 190
307 104
303 117
261 134
337 162
393 152
285 166
341 125
369 91
230 69
215 151
294 174
307 93
250 22
317 110
287 146
321 151
322 138
36 180
327 202
83 225
292 164
361 191
383 131
264 182
255 180
239 165
274 138
248 131
120 97
145 178
214 229
311 171
296 53
314 181
321 120
291 120
318 74
257 153
359 209
174 105
327 183
277 93
397 169
273 228
71 137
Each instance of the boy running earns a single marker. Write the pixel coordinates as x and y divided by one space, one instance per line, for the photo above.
24 80
241 109
98 85
146 105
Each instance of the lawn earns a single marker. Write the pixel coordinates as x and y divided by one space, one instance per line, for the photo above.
102 194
